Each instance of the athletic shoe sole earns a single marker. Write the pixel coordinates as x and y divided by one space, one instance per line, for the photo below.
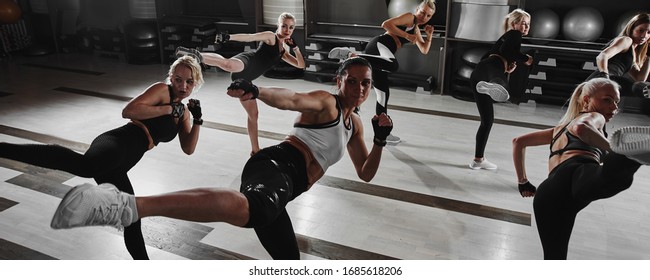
68 199
340 53
632 141
181 51
496 91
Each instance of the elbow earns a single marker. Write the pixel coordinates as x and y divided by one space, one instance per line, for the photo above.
188 150
126 113
366 179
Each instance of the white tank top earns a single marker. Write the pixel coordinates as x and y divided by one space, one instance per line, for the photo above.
328 141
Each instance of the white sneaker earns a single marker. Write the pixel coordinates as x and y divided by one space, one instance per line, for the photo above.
90 205
484 164
494 90
633 142
392 139
181 51
340 53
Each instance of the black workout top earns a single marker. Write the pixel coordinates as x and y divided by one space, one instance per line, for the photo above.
621 63
573 143
162 128
259 61
409 30
508 46
272 54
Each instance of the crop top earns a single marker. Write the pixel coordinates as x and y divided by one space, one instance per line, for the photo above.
326 141
162 128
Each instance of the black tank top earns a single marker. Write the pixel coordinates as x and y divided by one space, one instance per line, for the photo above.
573 143
162 128
509 47
621 63
271 54
409 30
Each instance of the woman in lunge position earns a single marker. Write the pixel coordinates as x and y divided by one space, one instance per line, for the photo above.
273 47
325 128
583 165
157 115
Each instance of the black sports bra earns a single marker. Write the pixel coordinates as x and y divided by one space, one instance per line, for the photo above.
409 30
573 143
162 128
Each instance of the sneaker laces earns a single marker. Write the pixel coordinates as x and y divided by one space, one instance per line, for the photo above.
109 215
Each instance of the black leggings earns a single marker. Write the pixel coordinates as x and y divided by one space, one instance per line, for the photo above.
569 188
108 159
381 67
271 178
490 70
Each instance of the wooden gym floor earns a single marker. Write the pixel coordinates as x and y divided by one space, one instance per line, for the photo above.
424 204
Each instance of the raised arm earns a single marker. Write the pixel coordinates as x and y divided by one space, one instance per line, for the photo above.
267 37
149 104
283 98
298 60
424 44
189 132
367 164
391 26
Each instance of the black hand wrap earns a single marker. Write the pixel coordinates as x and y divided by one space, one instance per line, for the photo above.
381 132
290 43
194 105
526 187
177 109
246 86
222 38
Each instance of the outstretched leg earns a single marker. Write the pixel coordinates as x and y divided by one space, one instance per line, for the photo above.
231 65
104 205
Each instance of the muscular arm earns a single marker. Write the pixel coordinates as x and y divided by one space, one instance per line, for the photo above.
391 26
424 44
148 104
188 134
286 99
519 144
267 37
366 164
296 61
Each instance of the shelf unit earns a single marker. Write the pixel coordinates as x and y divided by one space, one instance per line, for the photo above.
561 64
